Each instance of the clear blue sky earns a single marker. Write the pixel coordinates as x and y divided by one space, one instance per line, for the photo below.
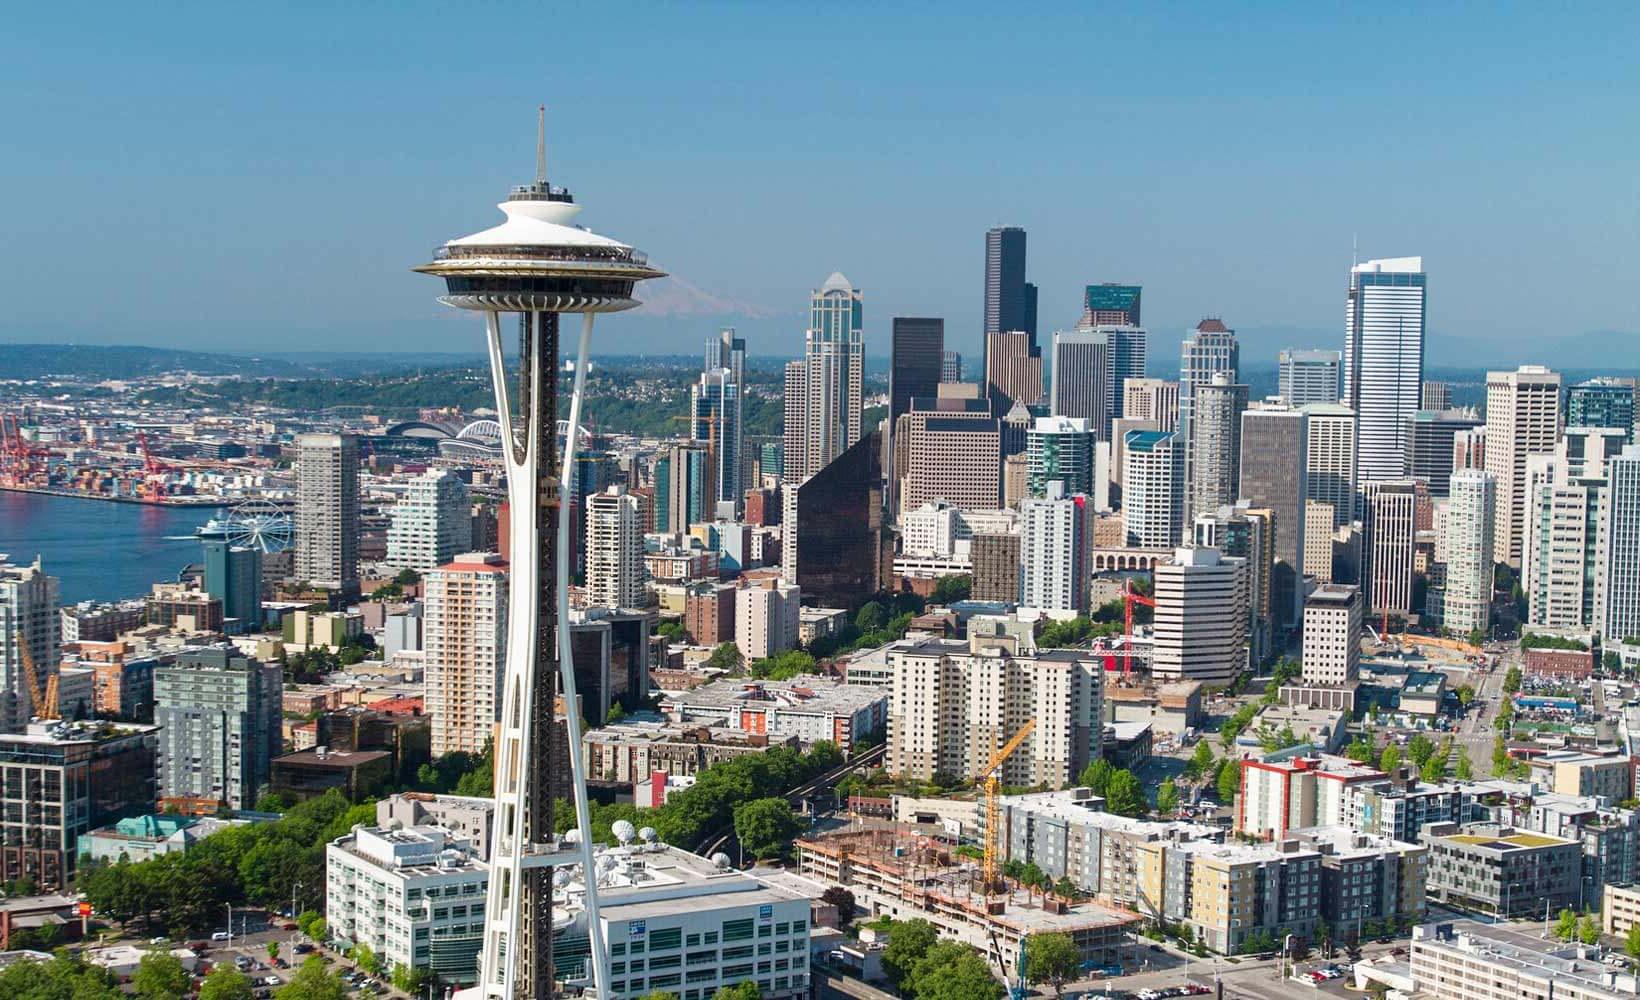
229 176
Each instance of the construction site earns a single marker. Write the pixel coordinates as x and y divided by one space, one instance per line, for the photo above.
901 872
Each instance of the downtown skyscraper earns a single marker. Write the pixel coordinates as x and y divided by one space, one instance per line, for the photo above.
1211 349
727 352
1522 420
823 390
714 421
1084 379
1010 300
1384 357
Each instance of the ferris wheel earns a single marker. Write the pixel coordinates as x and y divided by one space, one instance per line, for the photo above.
258 524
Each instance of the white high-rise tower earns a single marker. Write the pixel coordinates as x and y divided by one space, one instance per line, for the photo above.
1384 357
536 265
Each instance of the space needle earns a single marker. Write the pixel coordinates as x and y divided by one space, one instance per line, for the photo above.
537 265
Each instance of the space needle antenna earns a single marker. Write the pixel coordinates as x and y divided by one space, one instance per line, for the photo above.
541 144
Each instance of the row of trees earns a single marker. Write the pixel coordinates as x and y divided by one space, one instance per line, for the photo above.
723 794
160 976
184 894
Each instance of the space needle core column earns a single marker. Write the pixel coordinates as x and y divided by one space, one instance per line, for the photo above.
538 265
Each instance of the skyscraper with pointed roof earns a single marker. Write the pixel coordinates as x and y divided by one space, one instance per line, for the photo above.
823 391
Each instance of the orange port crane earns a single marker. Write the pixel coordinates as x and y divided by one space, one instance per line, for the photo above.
44 696
991 776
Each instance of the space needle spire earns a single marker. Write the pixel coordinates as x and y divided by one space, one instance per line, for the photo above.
541 145
538 266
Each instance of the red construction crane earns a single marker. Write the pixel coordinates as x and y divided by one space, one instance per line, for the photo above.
1129 598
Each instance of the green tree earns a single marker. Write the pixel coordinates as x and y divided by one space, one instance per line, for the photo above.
1360 749
1390 759
160 976
1124 796
1631 944
1466 770
365 957
725 657
871 617
739 991
1167 798
952 971
63 978
659 995
908 942
409 979
843 900
1466 695
1201 761
1229 781
1420 748
1237 722
1096 776
948 589
1588 930
1433 769
319 929
312 981
226 983
1566 924
1064 888
1052 959
765 827
1511 679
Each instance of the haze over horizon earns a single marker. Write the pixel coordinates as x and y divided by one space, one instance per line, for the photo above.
270 194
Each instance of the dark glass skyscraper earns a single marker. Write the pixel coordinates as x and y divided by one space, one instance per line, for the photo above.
1010 302
916 361
835 520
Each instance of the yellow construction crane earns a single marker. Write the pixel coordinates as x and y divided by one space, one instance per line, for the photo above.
993 808
44 698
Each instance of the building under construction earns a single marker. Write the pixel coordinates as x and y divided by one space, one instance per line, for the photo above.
905 875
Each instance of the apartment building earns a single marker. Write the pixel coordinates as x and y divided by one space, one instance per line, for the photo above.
952 703
1233 892
464 628
1280 795
413 895
1499 870
1112 858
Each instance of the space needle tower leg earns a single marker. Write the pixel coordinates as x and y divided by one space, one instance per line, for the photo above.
566 665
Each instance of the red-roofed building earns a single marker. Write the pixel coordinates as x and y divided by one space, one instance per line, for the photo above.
1282 795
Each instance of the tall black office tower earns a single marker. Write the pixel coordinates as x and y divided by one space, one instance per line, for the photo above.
1009 299
915 363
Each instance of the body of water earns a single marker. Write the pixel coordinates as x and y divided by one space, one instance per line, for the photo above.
100 550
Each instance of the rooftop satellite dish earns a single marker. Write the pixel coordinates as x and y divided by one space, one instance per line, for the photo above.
572 836
721 860
648 835
623 830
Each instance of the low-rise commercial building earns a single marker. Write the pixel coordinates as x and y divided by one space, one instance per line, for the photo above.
1571 772
1466 960
140 838
632 751
1169 708
810 708
357 774
1501 871
1619 909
